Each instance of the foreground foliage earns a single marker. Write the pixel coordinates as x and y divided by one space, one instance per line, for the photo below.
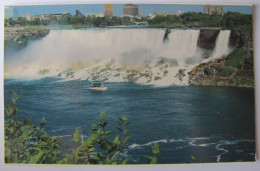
26 142
29 143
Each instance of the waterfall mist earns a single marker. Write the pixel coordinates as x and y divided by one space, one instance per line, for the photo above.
64 50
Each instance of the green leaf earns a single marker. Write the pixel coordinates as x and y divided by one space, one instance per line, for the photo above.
149 157
91 139
153 161
116 140
36 158
125 131
192 159
14 158
126 139
120 129
14 100
27 121
114 163
28 133
156 149
100 132
125 161
14 93
7 152
109 132
10 110
76 136
102 114
107 161
95 158
123 118
43 121
91 149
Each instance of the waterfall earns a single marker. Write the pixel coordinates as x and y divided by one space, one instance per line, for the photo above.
222 49
87 54
184 43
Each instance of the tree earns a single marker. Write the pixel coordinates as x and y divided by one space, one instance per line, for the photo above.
36 21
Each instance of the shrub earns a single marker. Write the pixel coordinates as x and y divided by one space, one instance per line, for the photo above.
235 59
225 71
207 71
27 143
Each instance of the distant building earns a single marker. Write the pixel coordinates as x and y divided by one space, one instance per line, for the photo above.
108 10
208 9
95 15
165 14
11 12
58 16
130 9
28 17
43 16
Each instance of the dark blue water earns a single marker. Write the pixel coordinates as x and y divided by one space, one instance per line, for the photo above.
214 124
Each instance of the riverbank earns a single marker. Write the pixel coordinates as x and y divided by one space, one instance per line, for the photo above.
32 32
237 69
218 73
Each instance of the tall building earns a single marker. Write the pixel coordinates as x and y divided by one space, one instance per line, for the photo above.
130 9
208 9
108 10
11 12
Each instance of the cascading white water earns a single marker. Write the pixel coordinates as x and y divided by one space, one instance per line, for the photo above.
222 41
183 43
95 48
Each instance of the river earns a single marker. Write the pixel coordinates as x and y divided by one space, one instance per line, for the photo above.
214 124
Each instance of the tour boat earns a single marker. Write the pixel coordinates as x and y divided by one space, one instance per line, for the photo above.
97 86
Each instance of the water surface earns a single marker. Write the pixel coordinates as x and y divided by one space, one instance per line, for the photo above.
214 124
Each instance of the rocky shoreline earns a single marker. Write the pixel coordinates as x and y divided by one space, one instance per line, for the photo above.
14 33
237 69
18 37
215 73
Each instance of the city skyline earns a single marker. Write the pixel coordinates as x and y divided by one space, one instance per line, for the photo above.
144 9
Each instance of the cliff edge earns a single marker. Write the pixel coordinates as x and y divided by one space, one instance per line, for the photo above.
237 69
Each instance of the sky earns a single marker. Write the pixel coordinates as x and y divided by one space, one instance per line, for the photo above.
145 9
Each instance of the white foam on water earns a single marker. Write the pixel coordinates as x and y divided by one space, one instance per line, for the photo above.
222 143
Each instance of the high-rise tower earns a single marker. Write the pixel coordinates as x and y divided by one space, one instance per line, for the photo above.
108 10
130 9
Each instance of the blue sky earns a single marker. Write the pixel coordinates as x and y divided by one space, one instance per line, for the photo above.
146 9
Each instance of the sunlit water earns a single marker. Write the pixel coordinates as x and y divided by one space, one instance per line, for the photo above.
214 124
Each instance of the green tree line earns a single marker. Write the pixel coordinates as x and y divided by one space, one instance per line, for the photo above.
77 20
230 20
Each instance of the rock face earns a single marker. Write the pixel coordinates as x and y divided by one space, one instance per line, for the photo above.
241 39
17 37
234 70
207 38
13 33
